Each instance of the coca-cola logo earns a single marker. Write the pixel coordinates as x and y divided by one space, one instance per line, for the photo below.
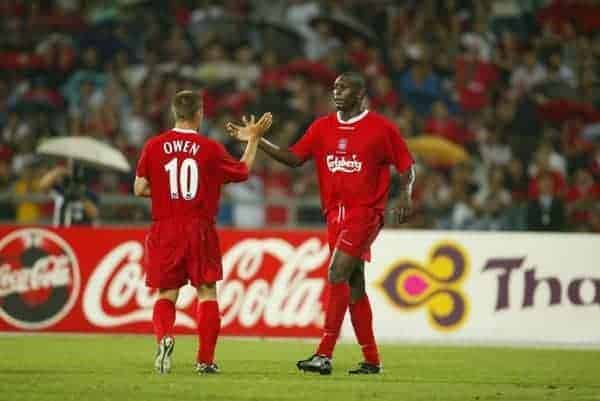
283 294
39 278
288 295
117 295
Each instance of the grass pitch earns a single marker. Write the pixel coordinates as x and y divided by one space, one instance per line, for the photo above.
116 368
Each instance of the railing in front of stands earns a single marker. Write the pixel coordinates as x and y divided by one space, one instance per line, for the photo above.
116 209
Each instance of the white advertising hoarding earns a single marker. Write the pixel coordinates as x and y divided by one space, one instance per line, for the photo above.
485 287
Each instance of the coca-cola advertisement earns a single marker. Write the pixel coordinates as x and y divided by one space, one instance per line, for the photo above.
92 280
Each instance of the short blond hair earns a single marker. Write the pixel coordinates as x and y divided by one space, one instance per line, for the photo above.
185 105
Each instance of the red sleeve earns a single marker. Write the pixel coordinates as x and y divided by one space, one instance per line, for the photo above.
232 170
304 148
142 165
397 152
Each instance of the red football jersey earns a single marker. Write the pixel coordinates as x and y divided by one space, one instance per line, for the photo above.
186 171
353 158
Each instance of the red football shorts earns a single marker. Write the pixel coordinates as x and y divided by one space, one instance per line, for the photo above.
181 250
353 230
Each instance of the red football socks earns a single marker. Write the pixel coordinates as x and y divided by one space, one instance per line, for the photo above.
209 325
163 318
339 296
362 321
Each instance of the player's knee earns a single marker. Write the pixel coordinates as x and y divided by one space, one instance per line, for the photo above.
337 274
207 292
341 268
357 293
335 277
357 285
170 294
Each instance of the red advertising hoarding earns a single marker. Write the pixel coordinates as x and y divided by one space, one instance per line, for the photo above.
92 280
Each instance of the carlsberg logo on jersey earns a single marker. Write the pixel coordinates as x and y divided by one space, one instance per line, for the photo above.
342 164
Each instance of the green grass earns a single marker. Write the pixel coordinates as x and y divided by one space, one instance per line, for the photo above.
119 368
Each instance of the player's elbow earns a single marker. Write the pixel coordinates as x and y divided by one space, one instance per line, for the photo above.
140 187
238 178
293 161
137 191
143 193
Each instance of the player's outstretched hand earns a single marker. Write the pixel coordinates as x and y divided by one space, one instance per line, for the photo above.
403 208
250 128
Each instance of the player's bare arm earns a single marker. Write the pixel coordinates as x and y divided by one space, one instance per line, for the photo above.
284 156
403 204
141 187
250 128
252 132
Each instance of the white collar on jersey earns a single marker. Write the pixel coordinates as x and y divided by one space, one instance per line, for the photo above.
185 130
353 119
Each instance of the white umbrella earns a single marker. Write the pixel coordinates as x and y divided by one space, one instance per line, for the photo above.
85 149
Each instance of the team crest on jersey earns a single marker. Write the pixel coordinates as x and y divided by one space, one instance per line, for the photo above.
39 278
343 144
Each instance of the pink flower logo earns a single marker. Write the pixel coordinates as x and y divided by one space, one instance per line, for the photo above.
436 285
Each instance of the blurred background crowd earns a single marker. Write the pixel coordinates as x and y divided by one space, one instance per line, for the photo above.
514 84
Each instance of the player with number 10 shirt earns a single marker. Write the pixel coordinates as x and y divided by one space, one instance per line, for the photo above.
182 172
186 171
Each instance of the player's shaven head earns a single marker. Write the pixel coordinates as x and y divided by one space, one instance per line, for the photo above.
185 105
355 79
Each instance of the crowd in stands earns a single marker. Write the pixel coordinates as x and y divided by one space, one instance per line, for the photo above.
516 84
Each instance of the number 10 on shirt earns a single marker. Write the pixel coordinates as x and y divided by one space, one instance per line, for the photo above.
183 179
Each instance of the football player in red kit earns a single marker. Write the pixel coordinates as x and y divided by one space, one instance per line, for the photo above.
182 172
353 150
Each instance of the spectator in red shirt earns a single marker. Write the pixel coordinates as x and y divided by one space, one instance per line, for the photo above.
358 53
546 158
581 196
474 79
516 180
278 192
574 146
595 162
442 124
272 73
384 95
